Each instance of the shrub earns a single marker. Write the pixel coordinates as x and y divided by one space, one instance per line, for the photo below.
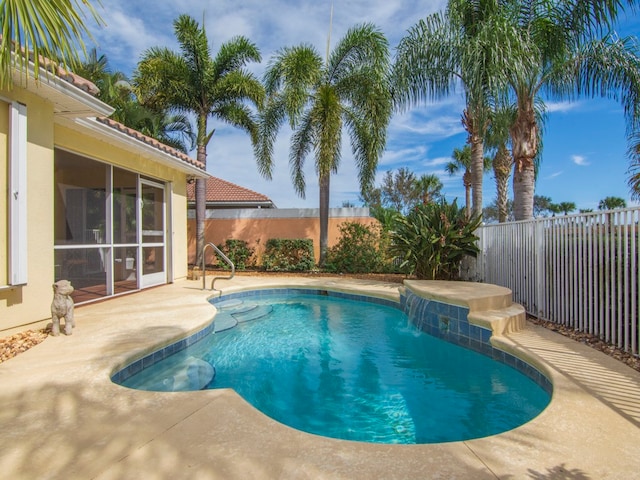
357 251
288 255
433 238
239 253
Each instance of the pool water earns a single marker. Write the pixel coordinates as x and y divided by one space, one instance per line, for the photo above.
357 371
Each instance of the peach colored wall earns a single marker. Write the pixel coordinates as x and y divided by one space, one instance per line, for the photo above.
256 231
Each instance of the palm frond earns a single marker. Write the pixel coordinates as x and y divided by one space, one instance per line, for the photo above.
44 32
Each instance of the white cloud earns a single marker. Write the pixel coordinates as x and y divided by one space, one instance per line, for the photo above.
561 106
554 175
419 139
579 160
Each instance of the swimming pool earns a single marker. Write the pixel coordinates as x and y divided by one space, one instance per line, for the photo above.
350 369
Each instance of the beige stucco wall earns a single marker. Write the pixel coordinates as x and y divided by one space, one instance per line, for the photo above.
27 305
256 231
31 302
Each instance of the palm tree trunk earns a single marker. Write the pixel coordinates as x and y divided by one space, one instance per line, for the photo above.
477 171
201 203
324 217
502 164
466 180
524 141
201 187
201 191
477 160
523 191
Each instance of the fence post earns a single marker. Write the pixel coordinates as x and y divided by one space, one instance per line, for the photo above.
481 256
539 252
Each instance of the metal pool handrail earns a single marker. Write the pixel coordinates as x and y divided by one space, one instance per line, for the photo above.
224 257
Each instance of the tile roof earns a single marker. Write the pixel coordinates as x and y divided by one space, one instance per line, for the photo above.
78 81
49 65
221 191
91 89
151 141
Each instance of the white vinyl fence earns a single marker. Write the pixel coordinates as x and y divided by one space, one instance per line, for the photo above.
582 271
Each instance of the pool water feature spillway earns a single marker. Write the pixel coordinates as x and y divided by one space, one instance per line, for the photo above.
477 321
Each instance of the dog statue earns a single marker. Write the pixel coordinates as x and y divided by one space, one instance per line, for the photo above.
62 307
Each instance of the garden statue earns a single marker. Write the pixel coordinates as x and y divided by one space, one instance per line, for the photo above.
62 307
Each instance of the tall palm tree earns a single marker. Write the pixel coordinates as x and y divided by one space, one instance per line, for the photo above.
461 161
194 82
321 98
502 163
565 55
462 46
49 30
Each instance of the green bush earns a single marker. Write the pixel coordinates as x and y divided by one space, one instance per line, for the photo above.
239 253
433 238
357 251
288 255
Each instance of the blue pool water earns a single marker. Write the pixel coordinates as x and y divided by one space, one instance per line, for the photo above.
351 370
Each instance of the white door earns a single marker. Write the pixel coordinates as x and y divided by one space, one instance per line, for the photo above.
152 222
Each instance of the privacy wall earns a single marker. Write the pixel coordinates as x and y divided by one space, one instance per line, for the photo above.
256 226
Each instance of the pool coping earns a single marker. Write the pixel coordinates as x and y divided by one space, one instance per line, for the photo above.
478 338
63 417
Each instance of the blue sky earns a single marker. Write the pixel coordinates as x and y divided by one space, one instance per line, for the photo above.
584 156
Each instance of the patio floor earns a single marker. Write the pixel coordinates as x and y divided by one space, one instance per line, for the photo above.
62 417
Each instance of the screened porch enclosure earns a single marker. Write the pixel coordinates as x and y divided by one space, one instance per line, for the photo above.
109 228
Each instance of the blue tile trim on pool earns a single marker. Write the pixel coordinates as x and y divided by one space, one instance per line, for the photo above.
154 357
448 322
306 291
451 323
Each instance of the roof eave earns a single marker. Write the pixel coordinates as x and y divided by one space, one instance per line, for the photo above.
69 100
133 144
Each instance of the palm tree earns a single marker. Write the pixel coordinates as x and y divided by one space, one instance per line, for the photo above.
564 56
94 67
174 130
564 207
47 30
541 205
611 203
461 46
428 188
498 141
462 161
192 82
348 90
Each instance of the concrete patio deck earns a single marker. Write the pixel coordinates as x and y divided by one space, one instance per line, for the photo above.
62 417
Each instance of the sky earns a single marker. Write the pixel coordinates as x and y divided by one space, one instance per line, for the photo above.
584 154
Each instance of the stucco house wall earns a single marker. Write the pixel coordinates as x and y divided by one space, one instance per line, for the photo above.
31 302
256 226
62 114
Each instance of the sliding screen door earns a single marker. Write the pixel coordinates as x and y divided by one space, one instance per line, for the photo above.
152 214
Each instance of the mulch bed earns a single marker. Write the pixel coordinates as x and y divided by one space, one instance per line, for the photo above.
21 342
